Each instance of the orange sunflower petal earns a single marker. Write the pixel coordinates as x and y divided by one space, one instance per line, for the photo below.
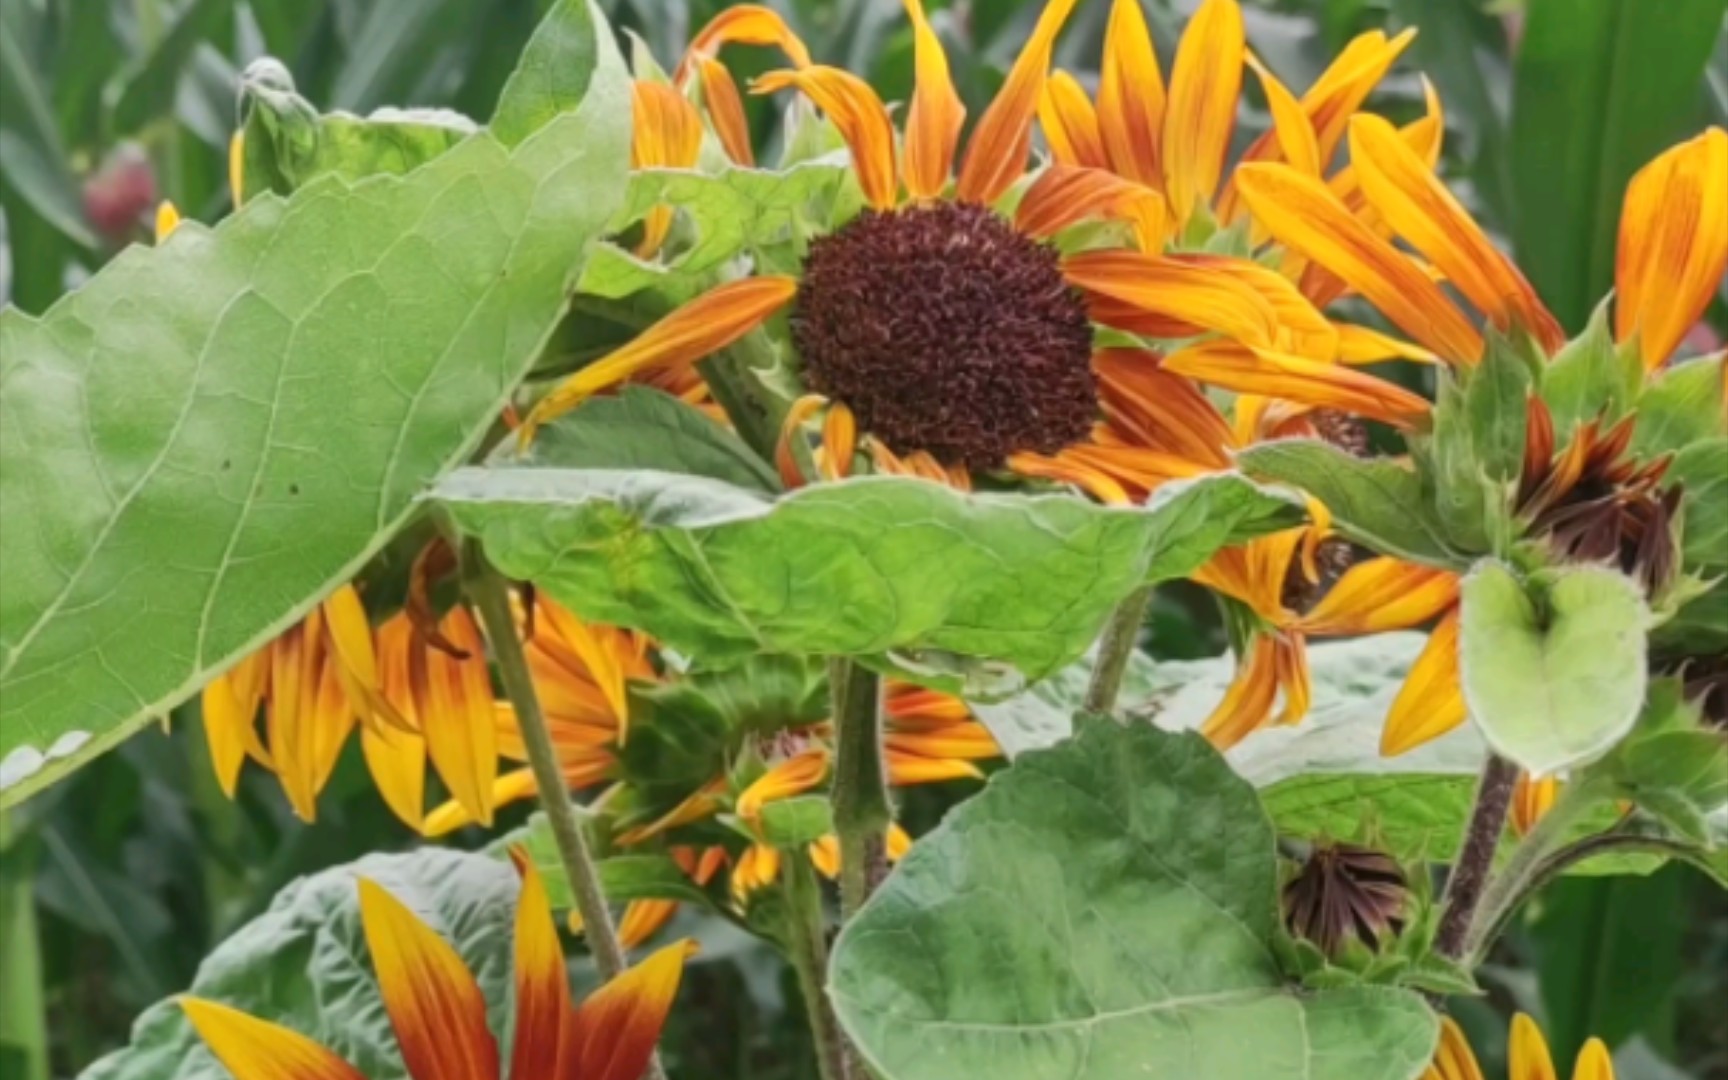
725 110
1303 214
1065 195
435 1006
794 776
1205 83
743 24
933 123
859 115
1431 701
1070 123
667 133
254 1049
996 153
1161 410
1131 99
1298 379
1381 594
705 325
839 442
1290 122
230 712
906 770
612 1034
1531 799
457 721
542 991
642 919
1673 244
1291 661
1178 290
1247 705
1411 198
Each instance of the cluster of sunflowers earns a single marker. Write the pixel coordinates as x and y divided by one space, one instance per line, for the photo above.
1088 293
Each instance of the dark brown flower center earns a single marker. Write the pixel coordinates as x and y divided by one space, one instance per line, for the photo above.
1346 891
945 330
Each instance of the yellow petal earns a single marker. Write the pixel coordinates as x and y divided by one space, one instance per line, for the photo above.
1205 83
513 786
1159 410
254 1049
1298 379
1529 1051
1065 195
1431 702
839 442
1131 97
859 115
597 650
1247 705
824 854
667 134
167 220
434 1004
1070 124
1453 1058
542 990
236 166
1673 244
1593 1062
794 776
1411 198
230 713
612 1034
457 716
397 762
1299 145
933 122
1291 660
1360 345
1303 214
642 919
1381 594
905 770
726 110
705 325
1531 799
1177 290
996 152
966 740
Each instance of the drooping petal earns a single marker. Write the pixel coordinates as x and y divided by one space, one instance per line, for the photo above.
599 652
513 786
457 719
1381 594
742 24
726 110
642 919
967 739
1453 1058
1301 328
1303 214
434 1004
1247 705
1205 83
1291 660
542 991
1177 290
1065 195
254 1049
705 325
1431 701
794 776
906 770
1412 199
1529 1051
1531 799
1161 411
996 152
704 802
1673 244
1070 124
824 852
791 432
667 134
612 1034
1298 379
933 122
230 712
1131 101
859 115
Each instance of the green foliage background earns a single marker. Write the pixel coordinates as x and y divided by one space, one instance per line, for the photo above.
115 883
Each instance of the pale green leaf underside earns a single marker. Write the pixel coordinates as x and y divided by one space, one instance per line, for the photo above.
207 436
1556 688
1103 910
868 566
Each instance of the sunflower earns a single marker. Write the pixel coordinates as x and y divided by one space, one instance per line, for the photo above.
438 1012
936 334
1454 1060
1584 495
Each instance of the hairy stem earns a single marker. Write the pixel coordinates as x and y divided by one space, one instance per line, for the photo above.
23 1022
861 808
807 941
1469 875
1533 863
1115 649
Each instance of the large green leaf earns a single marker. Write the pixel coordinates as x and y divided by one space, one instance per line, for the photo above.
209 435
864 567
1104 909
1600 87
304 964
1554 669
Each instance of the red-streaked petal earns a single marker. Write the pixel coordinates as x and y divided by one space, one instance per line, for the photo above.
542 992
859 115
1205 83
457 717
1247 705
726 110
612 1034
1070 123
1065 195
996 153
1673 244
933 122
1131 97
254 1049
743 24
435 1006
1176 290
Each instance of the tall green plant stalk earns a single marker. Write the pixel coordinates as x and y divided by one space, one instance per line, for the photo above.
1469 877
861 808
23 1011
1115 650
807 943
1532 864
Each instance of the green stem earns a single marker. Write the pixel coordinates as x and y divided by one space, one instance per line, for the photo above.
1115 649
1469 877
1530 866
23 1021
807 940
861 808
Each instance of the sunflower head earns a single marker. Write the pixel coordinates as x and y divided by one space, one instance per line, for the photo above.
1346 891
946 330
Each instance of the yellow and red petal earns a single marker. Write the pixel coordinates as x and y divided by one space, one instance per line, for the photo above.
167 220
600 652
791 432
906 770
1528 1053
457 717
1431 701
542 990
705 325
612 1034
725 110
839 442
1298 379
667 133
704 802
1131 97
1301 328
860 117
642 919
1403 188
1065 195
794 776
1290 658
1301 213
933 122
1070 123
397 762
435 1006
1297 143
1177 290
1247 704
1531 799
967 740
254 1049
742 24
1205 84
1673 244
230 712
996 152
1360 345
1158 410
1381 594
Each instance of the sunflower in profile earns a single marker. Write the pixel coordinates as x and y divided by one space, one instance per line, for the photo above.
1583 492
940 330
438 1012
1530 1059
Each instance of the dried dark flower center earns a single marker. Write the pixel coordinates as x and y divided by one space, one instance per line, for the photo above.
1346 891
945 330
